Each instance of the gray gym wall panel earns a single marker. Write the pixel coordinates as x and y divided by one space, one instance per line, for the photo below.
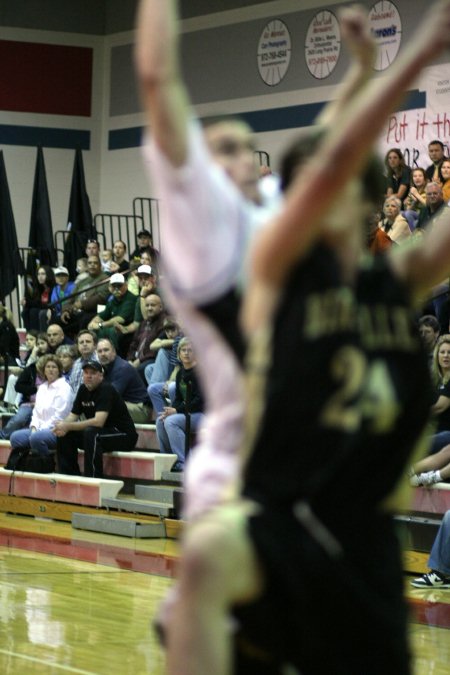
220 63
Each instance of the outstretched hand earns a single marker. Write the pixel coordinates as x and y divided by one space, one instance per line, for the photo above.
356 34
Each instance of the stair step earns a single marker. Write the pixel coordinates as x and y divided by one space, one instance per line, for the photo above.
138 506
432 499
124 527
175 477
418 533
58 487
156 493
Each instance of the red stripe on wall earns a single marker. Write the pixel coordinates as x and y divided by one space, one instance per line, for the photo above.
48 79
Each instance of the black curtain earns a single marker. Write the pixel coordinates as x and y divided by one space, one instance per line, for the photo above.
41 230
79 220
10 262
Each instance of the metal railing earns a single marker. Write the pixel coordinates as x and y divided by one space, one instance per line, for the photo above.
147 208
113 226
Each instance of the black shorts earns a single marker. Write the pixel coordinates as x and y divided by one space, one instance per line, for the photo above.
342 615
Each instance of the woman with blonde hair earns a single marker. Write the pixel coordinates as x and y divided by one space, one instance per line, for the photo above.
393 223
436 467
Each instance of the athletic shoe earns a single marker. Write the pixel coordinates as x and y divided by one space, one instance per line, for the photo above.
433 579
425 479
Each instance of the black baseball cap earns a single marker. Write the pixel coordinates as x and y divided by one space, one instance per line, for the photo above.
95 365
143 233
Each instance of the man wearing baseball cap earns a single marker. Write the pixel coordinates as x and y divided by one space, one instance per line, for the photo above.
119 309
144 243
61 290
147 284
106 426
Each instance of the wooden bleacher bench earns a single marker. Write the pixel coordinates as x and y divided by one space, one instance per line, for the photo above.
135 464
147 439
59 487
433 499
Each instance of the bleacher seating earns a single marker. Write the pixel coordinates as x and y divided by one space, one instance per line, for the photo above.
58 487
136 464
433 499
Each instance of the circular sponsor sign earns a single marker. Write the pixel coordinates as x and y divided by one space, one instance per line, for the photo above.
323 44
386 27
274 52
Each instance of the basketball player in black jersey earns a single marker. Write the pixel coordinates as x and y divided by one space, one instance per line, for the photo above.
313 265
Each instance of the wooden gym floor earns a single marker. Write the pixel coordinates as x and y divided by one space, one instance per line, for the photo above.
81 602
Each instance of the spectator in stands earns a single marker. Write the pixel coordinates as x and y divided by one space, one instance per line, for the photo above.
119 309
432 469
440 410
439 560
145 245
60 292
92 292
166 359
56 337
377 239
119 264
53 403
436 153
393 223
9 346
125 379
434 204
30 344
416 198
132 279
37 297
107 425
86 347
140 353
82 270
67 354
398 175
92 248
27 385
9 340
146 285
171 424
11 398
161 393
106 258
445 171
429 330
161 380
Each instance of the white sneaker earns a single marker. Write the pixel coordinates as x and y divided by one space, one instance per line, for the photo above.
425 479
433 579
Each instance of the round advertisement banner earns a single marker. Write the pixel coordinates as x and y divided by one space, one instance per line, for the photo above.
323 44
386 27
274 52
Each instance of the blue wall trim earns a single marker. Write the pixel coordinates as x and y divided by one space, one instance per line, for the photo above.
273 119
119 139
11 134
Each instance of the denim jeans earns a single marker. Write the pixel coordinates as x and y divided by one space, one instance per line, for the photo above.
41 442
440 553
21 419
171 433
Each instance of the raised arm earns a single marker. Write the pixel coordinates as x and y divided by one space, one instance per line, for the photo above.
157 65
356 35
